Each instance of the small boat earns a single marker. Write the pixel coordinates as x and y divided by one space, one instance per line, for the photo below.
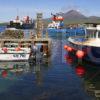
13 50
89 43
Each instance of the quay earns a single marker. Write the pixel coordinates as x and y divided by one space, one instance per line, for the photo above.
29 42
15 46
38 40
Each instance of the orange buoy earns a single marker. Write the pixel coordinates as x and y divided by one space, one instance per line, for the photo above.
69 49
65 47
17 49
80 54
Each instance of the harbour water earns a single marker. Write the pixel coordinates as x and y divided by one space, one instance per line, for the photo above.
53 78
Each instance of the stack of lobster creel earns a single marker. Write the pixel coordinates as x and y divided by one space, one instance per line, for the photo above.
13 34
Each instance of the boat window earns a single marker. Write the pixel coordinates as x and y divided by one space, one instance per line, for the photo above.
14 45
94 34
98 34
91 33
80 33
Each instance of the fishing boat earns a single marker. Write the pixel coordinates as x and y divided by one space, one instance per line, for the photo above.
13 46
25 23
56 24
11 50
88 45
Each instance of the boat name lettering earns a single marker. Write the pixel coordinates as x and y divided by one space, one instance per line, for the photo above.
19 55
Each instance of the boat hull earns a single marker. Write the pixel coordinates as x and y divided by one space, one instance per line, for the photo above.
23 26
56 30
14 57
92 53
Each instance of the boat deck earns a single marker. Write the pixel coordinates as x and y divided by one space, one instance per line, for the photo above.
38 40
24 39
89 42
28 42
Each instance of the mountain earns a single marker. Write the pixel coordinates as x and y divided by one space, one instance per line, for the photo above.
74 17
73 14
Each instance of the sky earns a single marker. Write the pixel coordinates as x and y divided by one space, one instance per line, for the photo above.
9 9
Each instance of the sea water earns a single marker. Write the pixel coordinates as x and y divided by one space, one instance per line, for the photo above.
53 78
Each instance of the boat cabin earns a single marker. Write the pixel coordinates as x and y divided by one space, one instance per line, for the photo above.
93 32
14 44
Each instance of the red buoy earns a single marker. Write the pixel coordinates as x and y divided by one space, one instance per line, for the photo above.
5 49
4 73
80 71
80 54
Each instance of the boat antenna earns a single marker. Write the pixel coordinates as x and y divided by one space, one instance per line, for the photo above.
51 14
17 14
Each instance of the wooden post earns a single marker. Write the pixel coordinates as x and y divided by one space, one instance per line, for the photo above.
46 35
39 25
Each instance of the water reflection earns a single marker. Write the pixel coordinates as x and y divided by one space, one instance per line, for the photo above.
89 73
69 59
50 79
80 70
12 70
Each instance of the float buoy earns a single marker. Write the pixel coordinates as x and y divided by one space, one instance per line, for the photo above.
80 54
5 49
17 49
65 47
69 49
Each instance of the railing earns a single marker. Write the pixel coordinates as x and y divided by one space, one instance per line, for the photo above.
26 40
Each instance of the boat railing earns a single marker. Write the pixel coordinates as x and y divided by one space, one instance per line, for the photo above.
92 34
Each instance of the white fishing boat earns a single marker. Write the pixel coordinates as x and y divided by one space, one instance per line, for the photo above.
13 50
89 44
